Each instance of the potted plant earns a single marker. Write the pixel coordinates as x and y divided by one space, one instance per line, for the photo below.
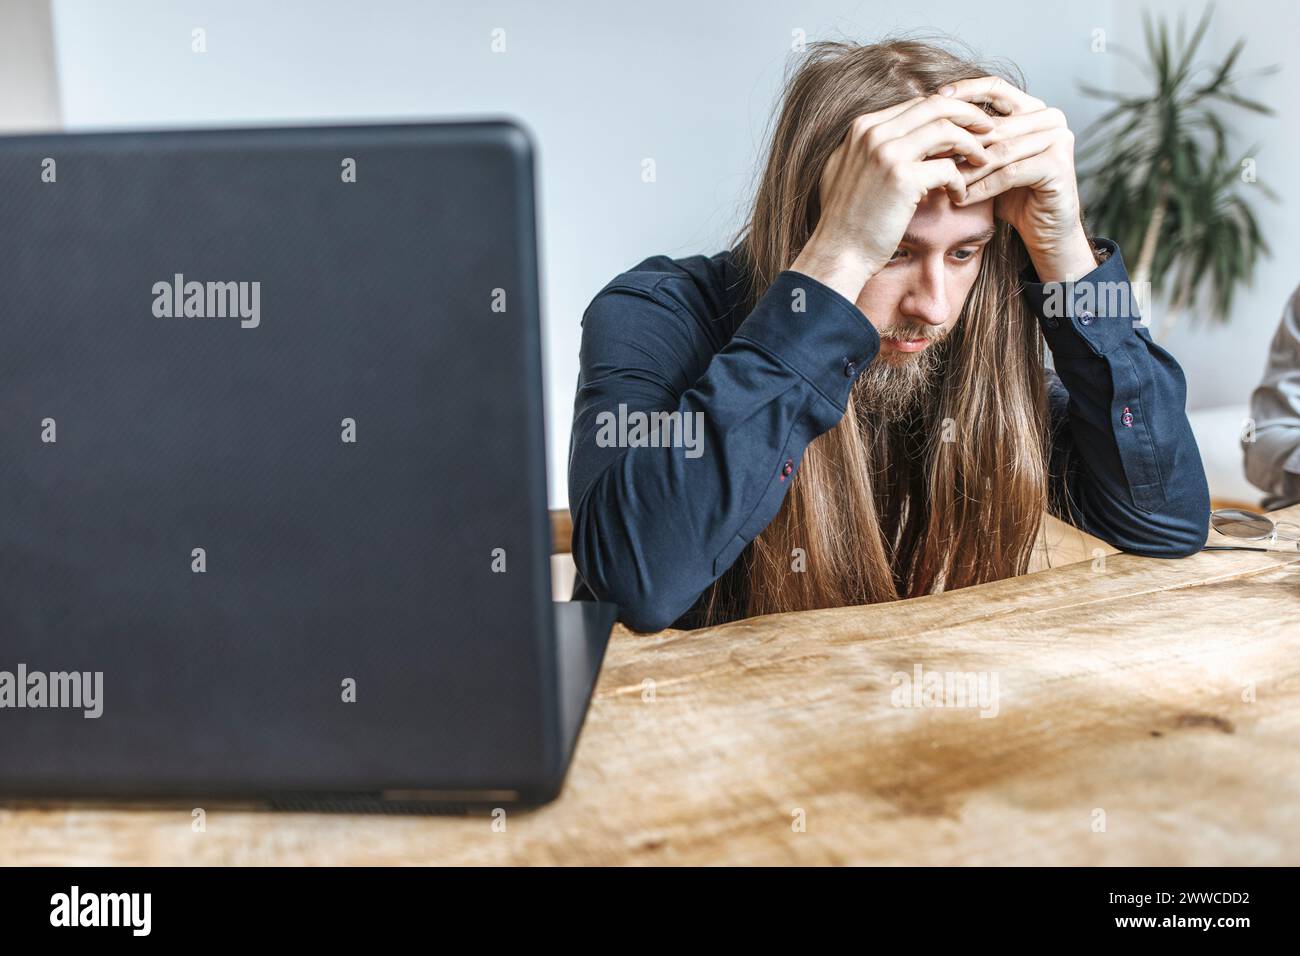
1159 176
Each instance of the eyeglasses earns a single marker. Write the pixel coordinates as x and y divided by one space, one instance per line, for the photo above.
1237 523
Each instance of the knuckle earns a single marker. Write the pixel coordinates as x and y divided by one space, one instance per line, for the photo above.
897 174
887 154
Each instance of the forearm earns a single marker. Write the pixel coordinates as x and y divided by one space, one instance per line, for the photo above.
1126 466
1067 261
1271 450
1272 460
653 526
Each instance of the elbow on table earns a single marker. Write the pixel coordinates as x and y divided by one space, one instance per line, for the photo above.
645 616
1176 525
642 604
639 607
1170 533
1169 546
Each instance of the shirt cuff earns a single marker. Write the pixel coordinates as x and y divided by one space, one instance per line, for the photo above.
814 330
1093 314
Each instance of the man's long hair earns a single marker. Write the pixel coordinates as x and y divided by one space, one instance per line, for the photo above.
950 495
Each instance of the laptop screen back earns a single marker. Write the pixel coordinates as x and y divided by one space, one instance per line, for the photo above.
271 460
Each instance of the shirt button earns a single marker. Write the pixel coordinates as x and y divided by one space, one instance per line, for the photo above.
787 468
1086 317
850 367
1127 418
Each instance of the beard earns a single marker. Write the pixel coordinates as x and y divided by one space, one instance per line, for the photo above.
898 385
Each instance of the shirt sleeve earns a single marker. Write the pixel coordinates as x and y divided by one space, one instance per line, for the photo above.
1124 462
1272 453
663 505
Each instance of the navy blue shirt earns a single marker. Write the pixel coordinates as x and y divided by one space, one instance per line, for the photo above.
653 527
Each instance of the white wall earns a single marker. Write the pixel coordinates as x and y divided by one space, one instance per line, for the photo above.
1224 363
29 94
601 85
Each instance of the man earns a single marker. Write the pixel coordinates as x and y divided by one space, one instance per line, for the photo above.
866 367
1272 453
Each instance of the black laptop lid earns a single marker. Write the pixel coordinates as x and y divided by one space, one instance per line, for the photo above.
355 443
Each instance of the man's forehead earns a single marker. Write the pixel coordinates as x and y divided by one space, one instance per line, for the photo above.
937 222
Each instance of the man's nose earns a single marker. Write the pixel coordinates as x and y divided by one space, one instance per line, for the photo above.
926 299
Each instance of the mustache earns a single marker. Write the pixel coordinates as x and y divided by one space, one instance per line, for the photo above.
905 335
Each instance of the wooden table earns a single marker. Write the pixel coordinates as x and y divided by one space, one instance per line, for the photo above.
1147 712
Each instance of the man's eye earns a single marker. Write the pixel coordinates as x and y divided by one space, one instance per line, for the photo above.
897 253
964 254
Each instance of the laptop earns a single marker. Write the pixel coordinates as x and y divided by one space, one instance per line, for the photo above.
273 517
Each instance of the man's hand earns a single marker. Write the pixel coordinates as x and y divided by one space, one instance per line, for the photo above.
1030 176
876 177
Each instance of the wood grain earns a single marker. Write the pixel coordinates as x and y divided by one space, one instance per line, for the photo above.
561 532
1164 694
